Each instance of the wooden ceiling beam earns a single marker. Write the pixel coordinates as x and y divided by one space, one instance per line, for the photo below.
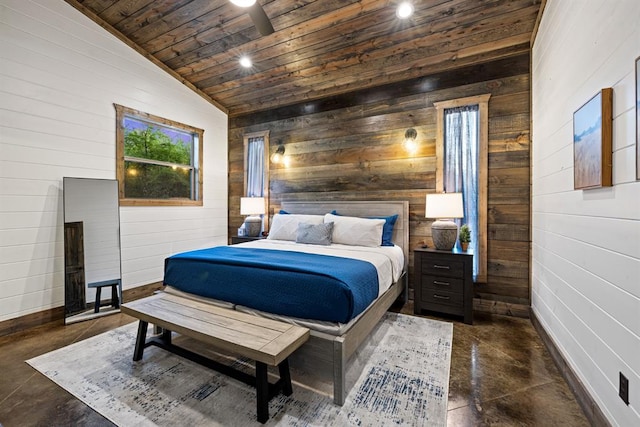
428 83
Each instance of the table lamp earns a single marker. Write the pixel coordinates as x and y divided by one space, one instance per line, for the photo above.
254 207
444 207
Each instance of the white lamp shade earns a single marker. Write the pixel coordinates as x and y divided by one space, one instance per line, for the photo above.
252 206
444 205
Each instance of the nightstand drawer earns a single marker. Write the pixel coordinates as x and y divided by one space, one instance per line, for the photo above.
442 283
431 296
443 267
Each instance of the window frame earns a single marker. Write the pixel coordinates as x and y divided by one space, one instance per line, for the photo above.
121 112
482 101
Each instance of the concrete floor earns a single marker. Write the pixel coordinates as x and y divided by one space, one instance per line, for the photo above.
501 375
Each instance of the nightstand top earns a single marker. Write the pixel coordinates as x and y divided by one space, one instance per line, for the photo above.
454 251
243 239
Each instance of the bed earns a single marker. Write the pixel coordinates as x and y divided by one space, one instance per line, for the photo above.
339 319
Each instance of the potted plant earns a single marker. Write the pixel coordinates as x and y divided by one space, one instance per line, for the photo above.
465 237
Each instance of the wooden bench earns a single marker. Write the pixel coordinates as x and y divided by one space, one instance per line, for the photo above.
266 341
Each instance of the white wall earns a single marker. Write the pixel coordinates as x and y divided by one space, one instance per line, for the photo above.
586 244
60 74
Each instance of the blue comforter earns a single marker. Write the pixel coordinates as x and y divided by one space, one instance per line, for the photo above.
310 286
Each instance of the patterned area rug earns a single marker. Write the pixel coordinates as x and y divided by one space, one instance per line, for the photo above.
404 381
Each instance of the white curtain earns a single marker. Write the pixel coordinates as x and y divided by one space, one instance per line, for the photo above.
461 166
255 167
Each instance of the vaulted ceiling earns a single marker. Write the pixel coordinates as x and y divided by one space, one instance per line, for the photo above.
320 48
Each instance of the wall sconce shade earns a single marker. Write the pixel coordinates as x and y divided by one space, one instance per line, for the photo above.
410 143
278 156
444 207
254 207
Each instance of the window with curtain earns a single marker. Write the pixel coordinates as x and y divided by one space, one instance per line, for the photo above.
462 162
255 167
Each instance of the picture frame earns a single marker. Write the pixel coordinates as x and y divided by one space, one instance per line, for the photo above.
592 135
638 118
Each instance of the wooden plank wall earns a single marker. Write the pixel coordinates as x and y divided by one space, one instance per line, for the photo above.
350 148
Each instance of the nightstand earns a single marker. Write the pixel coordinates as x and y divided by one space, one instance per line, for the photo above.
443 282
241 239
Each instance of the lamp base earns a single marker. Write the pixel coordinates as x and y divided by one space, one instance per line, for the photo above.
444 234
253 225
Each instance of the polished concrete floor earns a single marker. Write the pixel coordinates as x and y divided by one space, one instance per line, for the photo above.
501 375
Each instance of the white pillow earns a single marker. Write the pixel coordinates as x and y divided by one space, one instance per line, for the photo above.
349 230
285 226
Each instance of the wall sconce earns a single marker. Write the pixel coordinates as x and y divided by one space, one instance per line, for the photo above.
410 143
279 157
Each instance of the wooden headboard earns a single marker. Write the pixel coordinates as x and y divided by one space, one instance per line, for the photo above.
361 209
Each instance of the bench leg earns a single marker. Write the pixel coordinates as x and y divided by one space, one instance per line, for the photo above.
96 309
140 340
262 392
115 299
285 377
166 336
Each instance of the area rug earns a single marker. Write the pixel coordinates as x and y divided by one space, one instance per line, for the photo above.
404 381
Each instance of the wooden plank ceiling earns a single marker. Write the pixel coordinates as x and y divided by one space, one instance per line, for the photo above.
320 48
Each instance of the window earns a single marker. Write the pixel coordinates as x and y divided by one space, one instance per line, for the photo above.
256 161
462 142
158 161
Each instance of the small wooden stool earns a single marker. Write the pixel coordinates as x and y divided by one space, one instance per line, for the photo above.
115 298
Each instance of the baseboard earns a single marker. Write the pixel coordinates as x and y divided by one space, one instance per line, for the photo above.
32 320
56 314
589 407
501 307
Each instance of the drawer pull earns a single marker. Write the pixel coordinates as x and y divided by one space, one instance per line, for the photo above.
440 296
438 282
441 267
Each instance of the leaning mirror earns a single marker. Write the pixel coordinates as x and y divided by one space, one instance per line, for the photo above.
92 273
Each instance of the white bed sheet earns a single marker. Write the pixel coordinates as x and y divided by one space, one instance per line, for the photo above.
388 260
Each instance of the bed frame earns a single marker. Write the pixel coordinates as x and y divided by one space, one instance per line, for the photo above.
330 356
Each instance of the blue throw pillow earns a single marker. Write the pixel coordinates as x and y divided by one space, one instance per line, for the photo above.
387 228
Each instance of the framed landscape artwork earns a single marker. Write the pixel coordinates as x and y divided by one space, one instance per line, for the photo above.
592 134
638 117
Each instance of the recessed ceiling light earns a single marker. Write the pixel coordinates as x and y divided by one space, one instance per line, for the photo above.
404 10
245 61
243 3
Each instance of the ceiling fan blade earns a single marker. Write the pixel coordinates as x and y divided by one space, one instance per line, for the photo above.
260 19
